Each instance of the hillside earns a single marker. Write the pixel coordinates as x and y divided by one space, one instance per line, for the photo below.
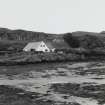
24 35
17 39
88 40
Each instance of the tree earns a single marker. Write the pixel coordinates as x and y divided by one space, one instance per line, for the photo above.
71 40
90 42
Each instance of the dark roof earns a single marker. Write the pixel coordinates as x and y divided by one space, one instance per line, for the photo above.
49 45
57 45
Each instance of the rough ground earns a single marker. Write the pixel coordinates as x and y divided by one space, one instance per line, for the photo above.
54 84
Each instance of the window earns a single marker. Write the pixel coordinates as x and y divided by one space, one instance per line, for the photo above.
46 50
42 45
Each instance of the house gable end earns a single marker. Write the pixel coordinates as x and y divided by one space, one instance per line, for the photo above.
43 47
37 46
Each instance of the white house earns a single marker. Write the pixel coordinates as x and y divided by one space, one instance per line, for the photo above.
37 46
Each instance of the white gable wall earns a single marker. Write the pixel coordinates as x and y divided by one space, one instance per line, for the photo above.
43 47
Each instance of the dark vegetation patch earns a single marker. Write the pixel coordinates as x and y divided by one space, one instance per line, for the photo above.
18 69
32 58
23 58
71 40
15 96
10 96
91 71
87 91
12 46
98 78
87 41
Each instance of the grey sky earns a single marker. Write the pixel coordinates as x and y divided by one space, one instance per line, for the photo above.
54 16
